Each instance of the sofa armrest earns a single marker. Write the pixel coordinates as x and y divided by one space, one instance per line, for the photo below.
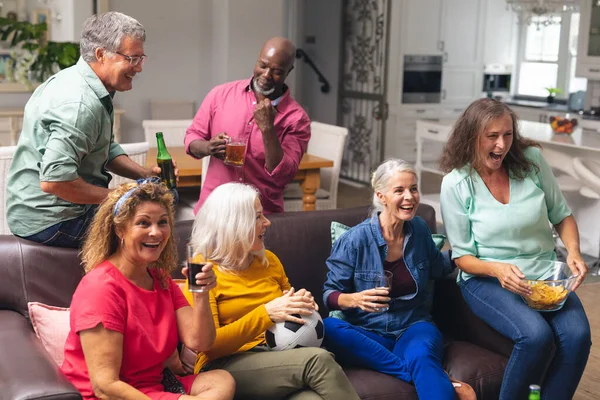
455 319
26 370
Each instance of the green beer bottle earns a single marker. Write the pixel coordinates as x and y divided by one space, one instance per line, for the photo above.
534 392
165 163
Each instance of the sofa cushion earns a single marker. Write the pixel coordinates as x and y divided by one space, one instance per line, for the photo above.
480 368
51 325
373 385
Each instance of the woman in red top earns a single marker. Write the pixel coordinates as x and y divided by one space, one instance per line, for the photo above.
127 315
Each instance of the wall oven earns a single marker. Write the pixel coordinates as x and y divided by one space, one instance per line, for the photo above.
422 79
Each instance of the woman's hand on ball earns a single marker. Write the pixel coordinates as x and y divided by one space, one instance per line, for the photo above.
306 294
282 308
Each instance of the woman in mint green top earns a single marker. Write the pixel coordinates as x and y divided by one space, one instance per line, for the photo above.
498 202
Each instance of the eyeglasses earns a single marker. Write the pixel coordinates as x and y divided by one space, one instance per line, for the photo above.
133 60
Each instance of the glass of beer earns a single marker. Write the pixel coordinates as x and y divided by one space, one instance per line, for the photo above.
195 264
235 149
384 281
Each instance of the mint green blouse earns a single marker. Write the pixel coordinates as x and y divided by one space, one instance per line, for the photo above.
67 133
479 225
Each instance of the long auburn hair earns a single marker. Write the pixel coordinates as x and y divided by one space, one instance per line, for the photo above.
463 143
101 239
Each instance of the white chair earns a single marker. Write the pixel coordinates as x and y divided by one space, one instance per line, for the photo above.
173 131
588 171
326 141
136 152
6 156
172 109
562 167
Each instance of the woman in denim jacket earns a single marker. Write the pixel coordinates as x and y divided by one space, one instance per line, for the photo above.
401 341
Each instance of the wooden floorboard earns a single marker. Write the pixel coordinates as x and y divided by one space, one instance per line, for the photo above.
589 387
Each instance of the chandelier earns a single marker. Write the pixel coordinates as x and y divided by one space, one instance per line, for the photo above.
541 12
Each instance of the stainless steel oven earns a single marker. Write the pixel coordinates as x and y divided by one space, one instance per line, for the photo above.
422 79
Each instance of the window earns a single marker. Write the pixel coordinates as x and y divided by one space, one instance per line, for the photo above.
547 57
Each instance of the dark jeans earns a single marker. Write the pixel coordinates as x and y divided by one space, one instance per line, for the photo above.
67 233
534 335
416 357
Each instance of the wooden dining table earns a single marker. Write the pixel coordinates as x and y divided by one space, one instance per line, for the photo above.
190 172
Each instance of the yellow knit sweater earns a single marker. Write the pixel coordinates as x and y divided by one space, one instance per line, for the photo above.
238 306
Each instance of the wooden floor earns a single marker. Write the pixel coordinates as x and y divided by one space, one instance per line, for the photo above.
589 293
589 387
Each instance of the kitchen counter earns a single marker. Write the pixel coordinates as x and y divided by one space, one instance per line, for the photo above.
537 104
580 138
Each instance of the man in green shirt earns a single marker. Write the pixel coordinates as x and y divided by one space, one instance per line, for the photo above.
60 169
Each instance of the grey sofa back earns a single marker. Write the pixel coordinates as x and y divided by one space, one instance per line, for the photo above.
302 241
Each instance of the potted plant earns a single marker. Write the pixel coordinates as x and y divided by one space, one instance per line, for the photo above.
552 92
34 58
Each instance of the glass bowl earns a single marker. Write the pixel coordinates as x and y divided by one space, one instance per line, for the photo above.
549 294
563 124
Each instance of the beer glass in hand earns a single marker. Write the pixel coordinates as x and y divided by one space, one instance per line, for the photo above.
384 281
195 265
235 150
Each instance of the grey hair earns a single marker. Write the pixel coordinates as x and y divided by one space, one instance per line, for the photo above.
381 178
225 226
107 31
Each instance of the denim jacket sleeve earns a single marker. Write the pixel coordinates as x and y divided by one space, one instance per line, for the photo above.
341 264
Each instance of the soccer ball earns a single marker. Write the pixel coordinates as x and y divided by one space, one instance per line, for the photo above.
291 335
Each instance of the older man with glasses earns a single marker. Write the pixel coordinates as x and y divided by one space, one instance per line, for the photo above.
60 170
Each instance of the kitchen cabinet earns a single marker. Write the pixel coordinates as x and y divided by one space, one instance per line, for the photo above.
588 51
533 114
421 26
500 32
448 27
401 128
461 85
460 37
451 28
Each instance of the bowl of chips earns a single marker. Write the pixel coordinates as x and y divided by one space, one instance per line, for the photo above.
551 291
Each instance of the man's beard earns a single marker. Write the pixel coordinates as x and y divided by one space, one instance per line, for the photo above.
260 91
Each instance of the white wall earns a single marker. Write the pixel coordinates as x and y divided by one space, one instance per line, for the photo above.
192 45
323 20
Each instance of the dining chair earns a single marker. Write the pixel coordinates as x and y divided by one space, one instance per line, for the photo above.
173 131
137 152
326 141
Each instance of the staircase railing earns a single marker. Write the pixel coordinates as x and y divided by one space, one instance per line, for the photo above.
301 54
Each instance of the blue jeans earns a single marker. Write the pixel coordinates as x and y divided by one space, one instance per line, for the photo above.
67 233
535 335
416 357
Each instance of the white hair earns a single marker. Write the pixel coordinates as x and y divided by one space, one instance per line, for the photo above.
225 226
107 31
381 178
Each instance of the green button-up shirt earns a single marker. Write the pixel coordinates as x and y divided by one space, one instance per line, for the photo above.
67 134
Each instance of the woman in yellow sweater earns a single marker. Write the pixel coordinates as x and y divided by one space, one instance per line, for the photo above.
252 294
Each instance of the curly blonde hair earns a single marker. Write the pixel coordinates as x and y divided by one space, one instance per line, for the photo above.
101 239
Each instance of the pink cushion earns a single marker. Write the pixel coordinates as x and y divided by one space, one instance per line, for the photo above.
51 325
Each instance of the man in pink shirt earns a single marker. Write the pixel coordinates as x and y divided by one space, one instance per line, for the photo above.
261 112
